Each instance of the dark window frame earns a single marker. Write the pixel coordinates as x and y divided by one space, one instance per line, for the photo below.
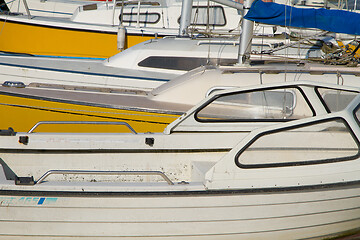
302 163
322 99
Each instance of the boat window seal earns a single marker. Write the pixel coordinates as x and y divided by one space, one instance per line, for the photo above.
302 163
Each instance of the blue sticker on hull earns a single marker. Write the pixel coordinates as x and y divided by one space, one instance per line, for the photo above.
41 201
6 201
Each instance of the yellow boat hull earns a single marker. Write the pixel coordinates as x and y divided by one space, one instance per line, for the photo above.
20 37
22 113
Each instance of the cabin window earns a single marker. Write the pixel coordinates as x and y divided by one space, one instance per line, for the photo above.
336 100
260 105
143 17
181 63
321 142
90 7
199 16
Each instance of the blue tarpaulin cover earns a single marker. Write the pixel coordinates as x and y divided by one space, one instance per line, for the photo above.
339 21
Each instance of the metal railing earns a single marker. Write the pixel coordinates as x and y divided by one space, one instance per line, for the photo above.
82 122
85 172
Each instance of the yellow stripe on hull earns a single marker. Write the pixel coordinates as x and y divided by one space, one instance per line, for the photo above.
42 40
23 113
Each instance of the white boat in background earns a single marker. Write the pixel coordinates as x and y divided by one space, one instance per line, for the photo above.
271 161
92 31
144 66
151 103
48 8
148 110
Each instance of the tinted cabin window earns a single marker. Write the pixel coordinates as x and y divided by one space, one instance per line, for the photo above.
143 17
322 142
262 105
181 63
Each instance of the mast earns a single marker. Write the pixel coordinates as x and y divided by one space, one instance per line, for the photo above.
185 17
246 35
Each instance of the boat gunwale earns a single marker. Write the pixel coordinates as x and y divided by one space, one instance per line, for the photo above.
166 193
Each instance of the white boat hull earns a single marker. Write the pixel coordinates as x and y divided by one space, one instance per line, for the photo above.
181 215
200 179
